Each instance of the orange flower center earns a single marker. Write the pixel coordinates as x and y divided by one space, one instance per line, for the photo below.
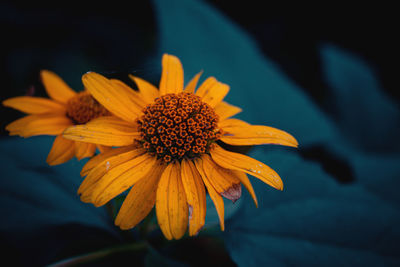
178 126
83 107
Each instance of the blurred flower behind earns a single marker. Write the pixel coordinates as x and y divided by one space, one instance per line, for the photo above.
52 116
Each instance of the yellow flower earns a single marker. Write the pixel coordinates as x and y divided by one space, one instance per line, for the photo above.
168 150
53 116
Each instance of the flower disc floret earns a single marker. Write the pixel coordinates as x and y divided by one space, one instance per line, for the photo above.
178 126
83 107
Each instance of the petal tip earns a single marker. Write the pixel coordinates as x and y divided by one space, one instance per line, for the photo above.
52 162
90 74
280 187
45 72
6 102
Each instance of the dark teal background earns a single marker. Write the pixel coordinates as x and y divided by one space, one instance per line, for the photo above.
340 204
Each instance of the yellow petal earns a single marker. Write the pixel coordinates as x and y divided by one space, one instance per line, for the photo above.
191 86
171 205
39 124
102 164
215 197
162 203
148 91
246 134
84 150
225 110
239 162
18 125
246 182
103 149
118 180
91 150
223 180
210 82
195 195
102 158
212 92
108 134
140 200
230 123
135 97
112 97
115 123
172 75
33 105
62 151
56 88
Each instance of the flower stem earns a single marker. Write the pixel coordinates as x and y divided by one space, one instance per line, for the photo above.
74 261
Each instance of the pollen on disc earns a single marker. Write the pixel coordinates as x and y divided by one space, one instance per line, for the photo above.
83 107
178 126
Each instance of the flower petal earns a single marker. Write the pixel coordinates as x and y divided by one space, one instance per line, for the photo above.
246 182
191 86
240 162
223 180
56 88
114 98
103 149
210 82
195 195
230 123
115 123
162 203
84 150
100 165
119 179
212 92
102 132
18 125
135 97
172 75
246 134
39 124
102 158
33 105
171 205
225 110
140 200
215 197
62 151
148 91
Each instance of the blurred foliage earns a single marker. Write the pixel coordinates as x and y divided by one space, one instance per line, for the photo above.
43 219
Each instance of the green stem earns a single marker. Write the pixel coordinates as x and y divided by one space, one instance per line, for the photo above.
100 254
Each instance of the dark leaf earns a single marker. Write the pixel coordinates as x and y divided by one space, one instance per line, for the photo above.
314 221
43 218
